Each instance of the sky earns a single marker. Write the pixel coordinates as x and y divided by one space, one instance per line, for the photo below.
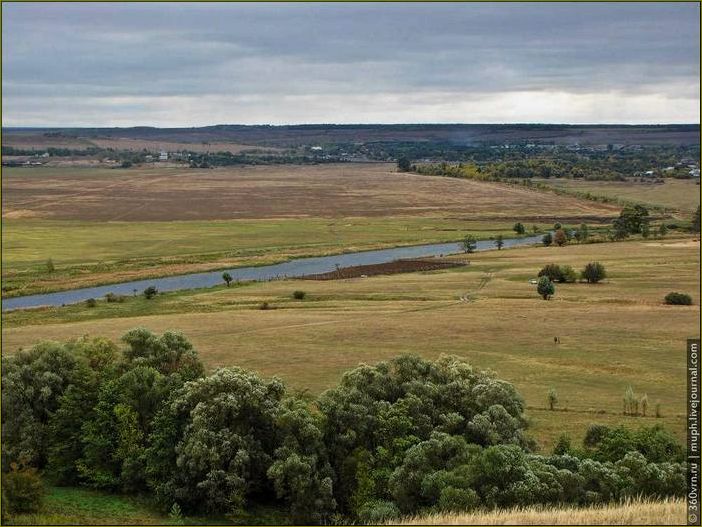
197 64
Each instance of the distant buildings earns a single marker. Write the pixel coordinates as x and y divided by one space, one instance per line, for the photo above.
163 156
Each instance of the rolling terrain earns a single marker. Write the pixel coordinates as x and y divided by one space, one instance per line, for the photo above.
612 334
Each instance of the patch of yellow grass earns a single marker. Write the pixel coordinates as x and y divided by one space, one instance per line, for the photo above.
636 512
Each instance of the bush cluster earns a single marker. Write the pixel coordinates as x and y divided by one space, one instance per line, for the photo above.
399 437
679 299
559 273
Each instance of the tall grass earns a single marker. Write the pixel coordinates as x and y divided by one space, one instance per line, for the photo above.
630 512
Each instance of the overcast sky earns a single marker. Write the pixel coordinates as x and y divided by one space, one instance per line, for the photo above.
199 64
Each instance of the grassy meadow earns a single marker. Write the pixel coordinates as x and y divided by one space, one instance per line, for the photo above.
612 334
680 194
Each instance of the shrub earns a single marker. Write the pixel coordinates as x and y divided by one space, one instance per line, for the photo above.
264 306
593 272
111 298
552 271
678 299
547 239
298 295
377 512
519 228
150 292
545 287
227 278
568 274
91 302
23 489
50 268
560 238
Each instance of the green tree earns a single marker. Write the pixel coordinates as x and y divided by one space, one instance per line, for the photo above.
662 230
547 239
469 244
214 442
545 288
404 164
593 272
227 278
645 230
519 228
553 272
499 242
150 292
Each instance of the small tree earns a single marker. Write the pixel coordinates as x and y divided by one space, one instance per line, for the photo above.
545 287
404 165
150 292
519 228
553 271
91 302
593 272
50 268
469 244
227 278
556 226
560 238
499 242
662 230
552 398
568 274
299 295
547 239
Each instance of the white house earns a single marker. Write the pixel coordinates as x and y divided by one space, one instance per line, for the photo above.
163 156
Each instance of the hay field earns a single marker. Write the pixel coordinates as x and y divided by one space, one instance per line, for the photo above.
666 512
612 335
329 191
680 194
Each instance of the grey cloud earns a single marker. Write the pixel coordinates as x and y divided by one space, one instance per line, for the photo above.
105 53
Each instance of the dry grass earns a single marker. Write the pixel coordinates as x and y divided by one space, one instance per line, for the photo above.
329 191
681 194
612 334
666 512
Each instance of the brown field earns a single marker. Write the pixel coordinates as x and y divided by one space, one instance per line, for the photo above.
343 190
635 512
172 146
398 266
40 141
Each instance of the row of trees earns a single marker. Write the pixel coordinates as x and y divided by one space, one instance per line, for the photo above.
395 438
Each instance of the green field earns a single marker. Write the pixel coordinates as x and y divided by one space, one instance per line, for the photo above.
89 253
612 334
679 194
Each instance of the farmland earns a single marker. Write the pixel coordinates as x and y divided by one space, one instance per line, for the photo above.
145 222
680 194
611 335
